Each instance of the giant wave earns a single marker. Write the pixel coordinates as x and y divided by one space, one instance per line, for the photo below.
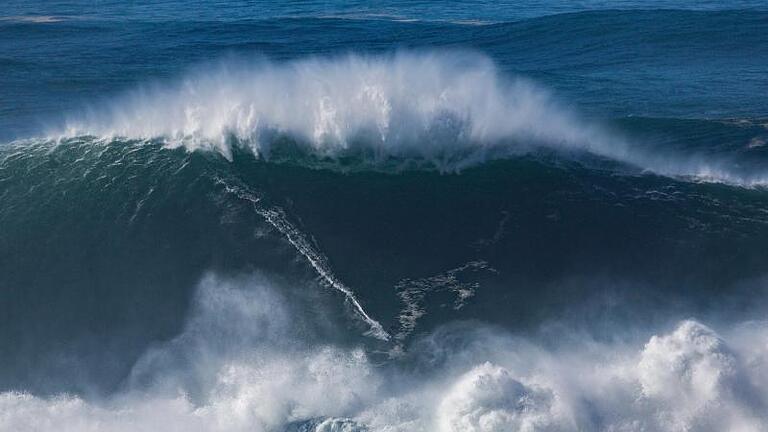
107 201
394 220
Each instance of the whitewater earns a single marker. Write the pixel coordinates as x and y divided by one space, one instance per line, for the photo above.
450 110
255 370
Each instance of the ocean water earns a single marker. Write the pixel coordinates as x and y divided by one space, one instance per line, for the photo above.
383 216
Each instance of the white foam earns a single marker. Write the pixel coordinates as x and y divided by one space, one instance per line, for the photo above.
488 398
420 104
35 19
266 377
453 109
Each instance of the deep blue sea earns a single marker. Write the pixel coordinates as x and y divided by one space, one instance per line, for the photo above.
387 216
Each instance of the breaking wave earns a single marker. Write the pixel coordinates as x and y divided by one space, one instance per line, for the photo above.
448 110
245 362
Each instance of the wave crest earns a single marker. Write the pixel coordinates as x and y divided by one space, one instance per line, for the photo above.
261 377
451 111
403 104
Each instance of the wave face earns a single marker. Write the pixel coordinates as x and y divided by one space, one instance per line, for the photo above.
112 219
383 217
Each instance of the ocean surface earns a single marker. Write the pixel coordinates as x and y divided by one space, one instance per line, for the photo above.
383 216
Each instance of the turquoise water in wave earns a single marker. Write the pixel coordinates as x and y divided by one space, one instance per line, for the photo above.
383 216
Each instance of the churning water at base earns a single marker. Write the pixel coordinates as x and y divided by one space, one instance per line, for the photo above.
253 367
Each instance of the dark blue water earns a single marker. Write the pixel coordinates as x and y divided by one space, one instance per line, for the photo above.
705 61
433 216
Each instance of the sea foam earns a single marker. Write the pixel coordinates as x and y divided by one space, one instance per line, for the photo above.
242 364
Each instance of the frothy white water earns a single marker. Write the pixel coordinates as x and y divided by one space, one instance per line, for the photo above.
453 109
243 349
429 105
35 19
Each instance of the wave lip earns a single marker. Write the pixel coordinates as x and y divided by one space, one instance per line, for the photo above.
451 110
425 104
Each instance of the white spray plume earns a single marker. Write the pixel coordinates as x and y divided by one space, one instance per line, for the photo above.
265 377
453 109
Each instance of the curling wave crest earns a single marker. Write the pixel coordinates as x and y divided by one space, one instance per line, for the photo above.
449 110
244 363
405 104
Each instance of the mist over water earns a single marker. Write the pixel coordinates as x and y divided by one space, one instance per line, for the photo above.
386 217
246 360
448 109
